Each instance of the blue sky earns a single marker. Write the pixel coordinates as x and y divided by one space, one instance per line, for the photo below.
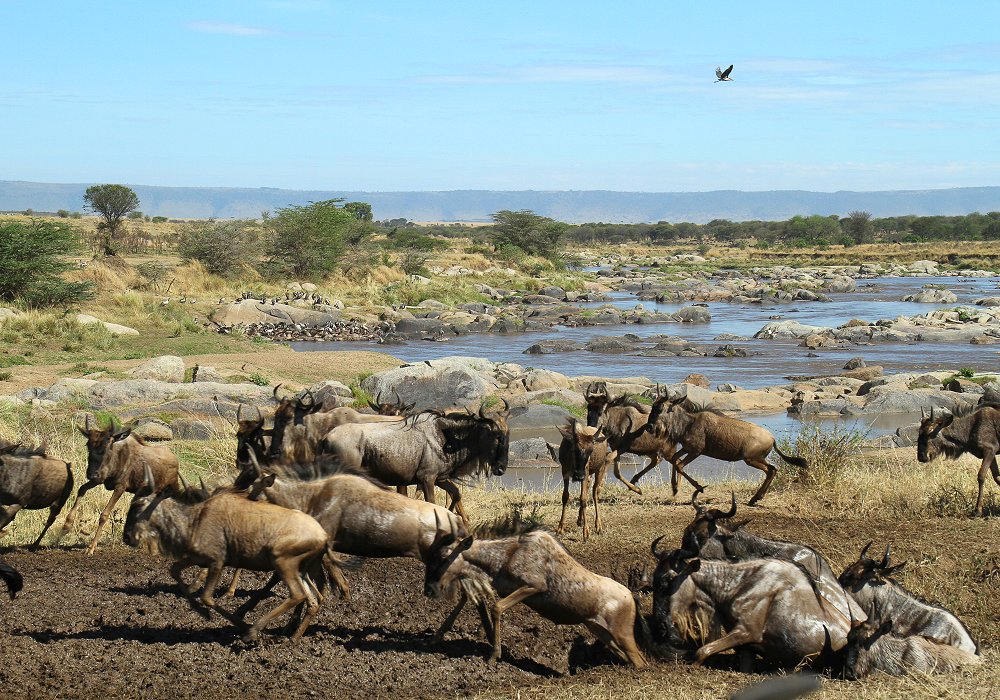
437 95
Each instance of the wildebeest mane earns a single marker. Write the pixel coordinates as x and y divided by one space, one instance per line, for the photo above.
512 524
628 400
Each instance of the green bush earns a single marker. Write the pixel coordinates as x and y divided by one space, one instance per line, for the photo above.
309 241
32 262
225 248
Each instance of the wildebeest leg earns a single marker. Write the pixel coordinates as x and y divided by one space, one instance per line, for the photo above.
502 606
988 460
737 637
403 490
679 466
996 470
769 471
231 591
450 620
456 499
618 475
313 581
622 644
177 570
7 514
105 514
653 461
565 502
598 483
336 574
256 597
746 657
582 517
53 514
289 570
427 487
71 515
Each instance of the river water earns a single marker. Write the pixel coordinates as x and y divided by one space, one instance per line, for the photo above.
769 363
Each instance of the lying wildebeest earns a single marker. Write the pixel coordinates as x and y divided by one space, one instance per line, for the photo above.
884 599
11 578
708 537
769 606
951 436
228 529
583 454
534 568
874 648
709 432
29 479
118 459
623 421
427 449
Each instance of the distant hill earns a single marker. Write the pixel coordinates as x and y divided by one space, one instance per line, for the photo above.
478 205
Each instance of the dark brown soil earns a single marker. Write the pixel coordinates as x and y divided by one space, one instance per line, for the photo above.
113 626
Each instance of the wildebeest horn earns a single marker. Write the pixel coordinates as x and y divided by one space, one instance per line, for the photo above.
201 481
150 481
374 405
239 412
864 550
885 558
86 422
275 393
698 507
719 515
482 410
399 399
312 399
506 405
923 413
253 459
653 547
184 483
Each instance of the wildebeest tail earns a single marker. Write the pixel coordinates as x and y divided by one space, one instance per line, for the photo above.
67 487
14 580
791 459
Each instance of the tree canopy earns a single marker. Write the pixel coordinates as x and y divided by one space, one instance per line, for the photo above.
527 231
32 262
310 240
113 203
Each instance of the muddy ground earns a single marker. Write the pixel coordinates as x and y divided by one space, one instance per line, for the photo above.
112 625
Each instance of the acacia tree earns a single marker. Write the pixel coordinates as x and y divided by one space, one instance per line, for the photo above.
113 203
859 226
526 230
309 241
32 260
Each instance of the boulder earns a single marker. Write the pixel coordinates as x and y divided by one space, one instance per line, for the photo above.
534 449
566 397
438 385
815 341
6 313
113 328
548 347
788 329
839 284
553 291
932 296
731 351
167 368
855 363
205 373
537 379
195 429
537 416
925 266
611 345
152 429
693 314
965 386
697 380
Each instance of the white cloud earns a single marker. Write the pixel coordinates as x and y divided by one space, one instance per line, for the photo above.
229 28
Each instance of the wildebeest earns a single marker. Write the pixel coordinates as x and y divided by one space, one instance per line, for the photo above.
228 529
11 578
623 421
427 449
884 599
360 517
769 606
709 432
951 436
30 479
118 459
583 454
534 568
874 648
710 538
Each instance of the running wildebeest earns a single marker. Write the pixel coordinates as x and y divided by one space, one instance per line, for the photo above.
118 459
883 599
583 454
769 606
228 529
710 538
951 436
533 568
709 432
427 449
30 479
874 648
623 421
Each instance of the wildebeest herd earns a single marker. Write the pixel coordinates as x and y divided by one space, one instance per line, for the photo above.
313 490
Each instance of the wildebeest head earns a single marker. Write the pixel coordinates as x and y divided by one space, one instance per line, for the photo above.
596 395
442 554
704 526
860 639
391 408
137 528
99 442
667 418
929 444
867 571
583 440
250 433
291 410
484 438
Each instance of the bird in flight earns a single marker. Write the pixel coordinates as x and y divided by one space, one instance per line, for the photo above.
723 75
